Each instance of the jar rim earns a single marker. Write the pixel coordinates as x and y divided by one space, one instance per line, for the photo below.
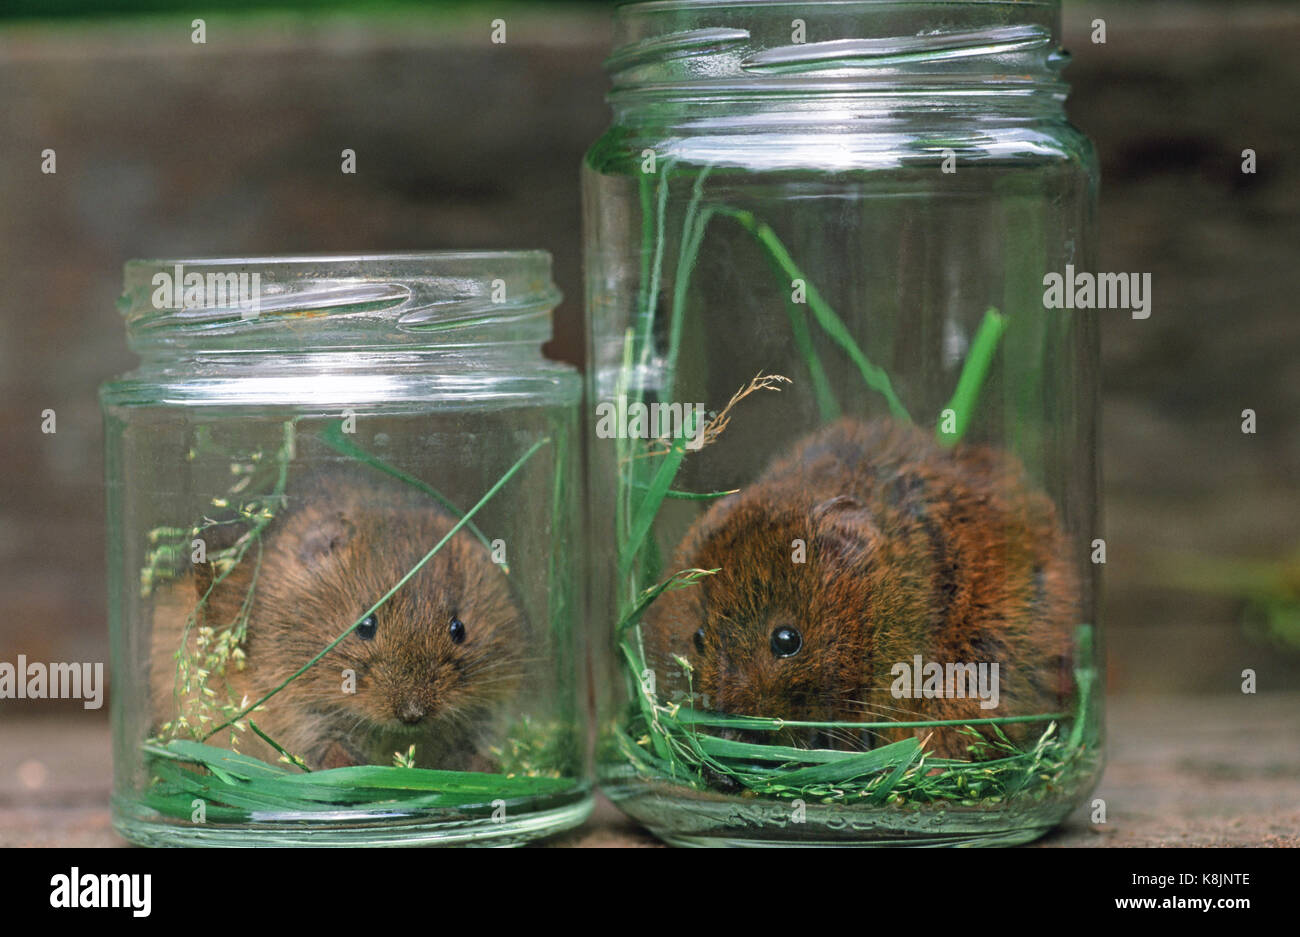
422 257
307 301
726 47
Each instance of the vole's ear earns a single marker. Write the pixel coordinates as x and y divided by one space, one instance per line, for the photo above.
325 539
844 528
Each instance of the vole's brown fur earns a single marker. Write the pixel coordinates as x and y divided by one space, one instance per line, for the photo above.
342 540
911 549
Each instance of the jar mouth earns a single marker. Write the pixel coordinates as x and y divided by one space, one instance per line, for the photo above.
310 301
712 47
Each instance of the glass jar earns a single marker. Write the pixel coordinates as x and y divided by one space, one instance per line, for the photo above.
844 468
341 540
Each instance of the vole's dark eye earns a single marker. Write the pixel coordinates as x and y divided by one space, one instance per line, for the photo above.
699 640
366 630
457 631
786 642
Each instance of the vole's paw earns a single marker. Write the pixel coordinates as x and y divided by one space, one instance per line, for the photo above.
336 756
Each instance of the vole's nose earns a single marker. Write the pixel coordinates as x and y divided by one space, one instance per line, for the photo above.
411 711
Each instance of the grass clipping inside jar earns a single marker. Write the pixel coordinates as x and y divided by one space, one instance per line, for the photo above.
237 638
753 674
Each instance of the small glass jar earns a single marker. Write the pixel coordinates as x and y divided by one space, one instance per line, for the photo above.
844 471
341 541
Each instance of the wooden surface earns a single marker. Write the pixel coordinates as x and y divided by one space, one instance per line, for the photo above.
1217 771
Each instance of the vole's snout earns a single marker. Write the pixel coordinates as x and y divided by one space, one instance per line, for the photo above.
411 711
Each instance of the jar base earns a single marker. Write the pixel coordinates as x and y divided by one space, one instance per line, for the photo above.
410 831
957 840
703 820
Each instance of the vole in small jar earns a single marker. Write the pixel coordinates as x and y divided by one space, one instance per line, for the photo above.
909 548
429 668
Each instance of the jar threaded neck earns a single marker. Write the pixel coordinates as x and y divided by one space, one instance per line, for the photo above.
320 302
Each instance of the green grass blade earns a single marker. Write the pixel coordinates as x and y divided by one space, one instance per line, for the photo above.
678 580
874 377
693 227
1085 675
688 495
881 793
694 717
855 766
233 763
749 751
976 367
827 406
655 493
293 759
250 785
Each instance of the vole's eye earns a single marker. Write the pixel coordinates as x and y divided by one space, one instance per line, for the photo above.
366 630
457 631
786 642
699 640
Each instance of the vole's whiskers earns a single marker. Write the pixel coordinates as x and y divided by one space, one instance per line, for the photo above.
878 709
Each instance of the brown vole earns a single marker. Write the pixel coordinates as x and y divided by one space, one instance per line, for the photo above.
910 549
430 666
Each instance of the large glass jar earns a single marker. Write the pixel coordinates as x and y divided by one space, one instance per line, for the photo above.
843 475
341 539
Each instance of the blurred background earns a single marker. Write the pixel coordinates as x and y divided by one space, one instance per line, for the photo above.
168 148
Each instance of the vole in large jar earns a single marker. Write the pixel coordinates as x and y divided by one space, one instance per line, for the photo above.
910 548
430 668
